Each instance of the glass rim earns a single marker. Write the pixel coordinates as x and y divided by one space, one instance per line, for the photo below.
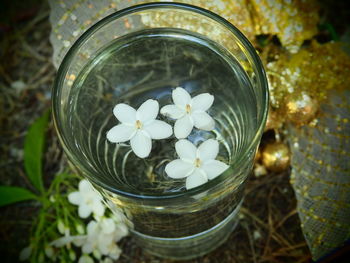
63 68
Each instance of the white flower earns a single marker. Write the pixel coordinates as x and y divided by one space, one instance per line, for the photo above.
140 127
102 236
87 199
189 112
198 165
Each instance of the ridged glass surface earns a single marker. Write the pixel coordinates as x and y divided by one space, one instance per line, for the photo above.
149 65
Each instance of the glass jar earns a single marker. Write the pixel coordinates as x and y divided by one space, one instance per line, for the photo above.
144 52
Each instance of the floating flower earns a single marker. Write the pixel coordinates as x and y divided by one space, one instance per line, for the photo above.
198 165
87 199
189 112
140 127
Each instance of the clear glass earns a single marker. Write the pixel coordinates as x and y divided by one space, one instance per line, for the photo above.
141 53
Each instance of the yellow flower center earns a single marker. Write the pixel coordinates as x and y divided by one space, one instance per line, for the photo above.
138 124
188 108
197 162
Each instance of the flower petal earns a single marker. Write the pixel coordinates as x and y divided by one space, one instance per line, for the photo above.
172 111
88 247
186 150
197 178
92 228
62 241
121 231
202 102
183 127
75 198
121 133
141 144
107 225
98 207
118 214
181 97
178 169
158 130
79 240
203 121
86 258
208 150
104 241
84 210
213 168
107 259
147 111
85 186
125 113
114 252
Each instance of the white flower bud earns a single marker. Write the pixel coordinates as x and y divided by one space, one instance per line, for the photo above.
52 199
107 260
97 254
72 255
61 227
41 258
85 259
49 252
25 253
80 229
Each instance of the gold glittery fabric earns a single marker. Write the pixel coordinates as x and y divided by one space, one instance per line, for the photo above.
321 175
320 151
236 12
314 70
292 21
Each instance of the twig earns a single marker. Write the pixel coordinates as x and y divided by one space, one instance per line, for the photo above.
251 244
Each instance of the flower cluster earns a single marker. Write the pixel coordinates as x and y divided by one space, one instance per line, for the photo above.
88 200
141 126
102 232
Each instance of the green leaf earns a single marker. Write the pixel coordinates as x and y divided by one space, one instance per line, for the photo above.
12 194
33 151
